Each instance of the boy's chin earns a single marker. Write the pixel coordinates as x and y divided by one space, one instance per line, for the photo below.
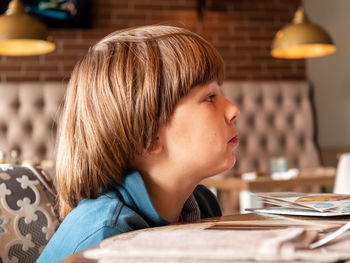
231 163
226 167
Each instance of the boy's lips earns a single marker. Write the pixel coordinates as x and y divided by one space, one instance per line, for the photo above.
234 139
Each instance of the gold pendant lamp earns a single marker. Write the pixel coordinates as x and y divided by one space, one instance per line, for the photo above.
301 39
23 35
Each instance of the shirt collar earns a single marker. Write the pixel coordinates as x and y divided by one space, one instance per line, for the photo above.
190 211
135 196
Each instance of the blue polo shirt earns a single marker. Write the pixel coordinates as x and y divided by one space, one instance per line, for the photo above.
124 208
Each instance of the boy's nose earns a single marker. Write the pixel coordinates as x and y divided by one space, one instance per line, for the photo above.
232 112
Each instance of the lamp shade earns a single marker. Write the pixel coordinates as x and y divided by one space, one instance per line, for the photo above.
301 39
23 35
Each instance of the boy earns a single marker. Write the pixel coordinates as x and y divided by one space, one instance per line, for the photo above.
144 123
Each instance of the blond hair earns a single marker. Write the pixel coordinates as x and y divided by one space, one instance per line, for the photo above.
125 87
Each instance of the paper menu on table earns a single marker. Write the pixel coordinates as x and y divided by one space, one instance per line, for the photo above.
320 202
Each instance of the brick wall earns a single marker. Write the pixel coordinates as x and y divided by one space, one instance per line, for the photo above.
242 30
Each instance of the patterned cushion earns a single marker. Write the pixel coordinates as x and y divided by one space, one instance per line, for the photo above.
27 217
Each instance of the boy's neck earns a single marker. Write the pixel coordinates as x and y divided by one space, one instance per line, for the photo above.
168 195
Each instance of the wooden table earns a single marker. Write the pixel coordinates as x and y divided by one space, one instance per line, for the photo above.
240 222
322 177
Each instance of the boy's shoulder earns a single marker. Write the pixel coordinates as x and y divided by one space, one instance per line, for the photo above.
108 210
92 221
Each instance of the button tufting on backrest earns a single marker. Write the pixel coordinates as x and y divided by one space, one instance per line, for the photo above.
3 129
41 150
15 104
39 103
238 100
298 100
302 141
27 127
263 142
270 119
279 100
282 141
259 101
52 126
242 141
290 120
250 120
28 118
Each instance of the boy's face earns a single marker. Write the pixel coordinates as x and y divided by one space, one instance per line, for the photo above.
200 136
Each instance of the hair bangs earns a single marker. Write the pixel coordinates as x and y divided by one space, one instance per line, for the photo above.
188 60
203 63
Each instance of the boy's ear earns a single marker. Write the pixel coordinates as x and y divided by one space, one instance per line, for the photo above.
156 146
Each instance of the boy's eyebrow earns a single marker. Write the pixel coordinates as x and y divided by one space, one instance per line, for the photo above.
213 86
205 89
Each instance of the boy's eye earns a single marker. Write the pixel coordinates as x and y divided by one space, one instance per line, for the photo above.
210 98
